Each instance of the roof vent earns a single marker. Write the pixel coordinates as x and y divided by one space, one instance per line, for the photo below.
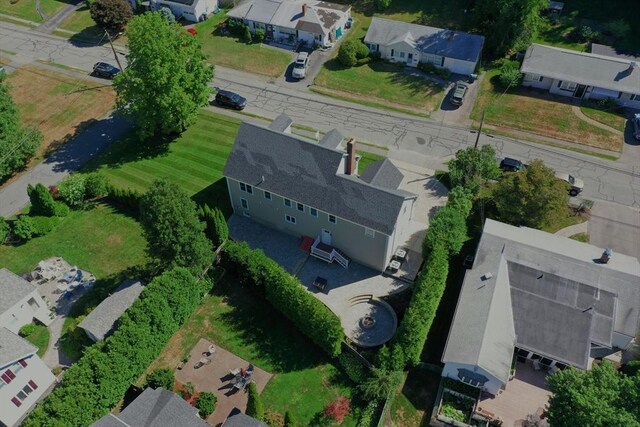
632 66
486 276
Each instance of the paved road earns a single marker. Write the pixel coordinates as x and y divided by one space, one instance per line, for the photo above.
615 226
426 143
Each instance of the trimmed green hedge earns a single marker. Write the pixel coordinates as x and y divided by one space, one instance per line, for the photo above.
254 269
99 380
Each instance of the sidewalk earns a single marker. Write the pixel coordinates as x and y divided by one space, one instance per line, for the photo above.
569 231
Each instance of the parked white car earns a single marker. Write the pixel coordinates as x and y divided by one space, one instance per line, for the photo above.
575 184
300 66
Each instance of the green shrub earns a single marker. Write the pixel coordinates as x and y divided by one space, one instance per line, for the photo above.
368 413
382 5
362 51
161 377
245 34
216 230
99 380
381 384
618 28
43 224
445 73
255 407
510 75
96 185
61 210
352 367
447 228
128 198
206 403
4 230
290 420
42 202
73 189
461 200
166 13
258 35
24 228
27 330
631 368
314 319
347 54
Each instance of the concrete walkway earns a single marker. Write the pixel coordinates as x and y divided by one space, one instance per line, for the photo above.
578 112
51 23
574 229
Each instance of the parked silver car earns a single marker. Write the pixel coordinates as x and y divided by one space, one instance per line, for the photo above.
575 184
300 66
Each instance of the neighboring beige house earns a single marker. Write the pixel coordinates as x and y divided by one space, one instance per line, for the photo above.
189 10
412 43
539 296
24 378
307 188
316 23
582 75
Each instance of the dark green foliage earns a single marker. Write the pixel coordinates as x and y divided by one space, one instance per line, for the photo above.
382 5
380 384
111 14
43 224
600 397
161 377
73 190
167 15
631 368
24 228
461 200
129 198
392 358
510 75
618 28
96 185
255 270
351 51
352 367
17 144
27 330
289 420
533 197
93 385
42 202
61 210
472 167
174 233
4 230
367 414
586 33
427 292
245 34
255 407
258 36
206 403
447 228
216 224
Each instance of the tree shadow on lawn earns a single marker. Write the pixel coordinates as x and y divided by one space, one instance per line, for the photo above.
215 195
264 330
90 37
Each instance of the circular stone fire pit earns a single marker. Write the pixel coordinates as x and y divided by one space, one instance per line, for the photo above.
370 322
367 322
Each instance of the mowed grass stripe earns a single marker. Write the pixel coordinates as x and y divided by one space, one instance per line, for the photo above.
182 177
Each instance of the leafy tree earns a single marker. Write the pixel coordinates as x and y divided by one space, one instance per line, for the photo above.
111 14
448 228
350 51
599 397
461 200
473 166
255 407
173 230
17 144
380 384
618 28
508 24
382 5
217 230
533 197
24 228
73 189
631 368
510 75
96 185
168 16
4 230
338 409
161 377
42 202
167 79
206 403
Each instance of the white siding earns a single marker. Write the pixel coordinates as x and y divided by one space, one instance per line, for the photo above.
492 386
620 340
23 313
533 80
198 11
459 66
599 93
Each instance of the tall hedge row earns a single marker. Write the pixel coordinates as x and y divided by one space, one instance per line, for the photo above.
99 380
255 270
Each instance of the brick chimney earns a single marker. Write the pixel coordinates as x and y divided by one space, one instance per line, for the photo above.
351 167
304 9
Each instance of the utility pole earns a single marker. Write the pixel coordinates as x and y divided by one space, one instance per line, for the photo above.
114 50
480 130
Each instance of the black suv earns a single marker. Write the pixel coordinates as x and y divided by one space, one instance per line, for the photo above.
102 69
511 165
230 99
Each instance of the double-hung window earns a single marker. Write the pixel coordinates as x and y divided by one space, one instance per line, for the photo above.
300 207
290 219
332 219
267 195
287 203
246 188
313 212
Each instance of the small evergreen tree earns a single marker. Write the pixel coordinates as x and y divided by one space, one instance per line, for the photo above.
255 408
42 202
206 403
161 377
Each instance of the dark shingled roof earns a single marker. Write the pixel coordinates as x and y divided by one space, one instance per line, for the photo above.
308 173
336 6
383 174
13 347
281 123
333 139
13 289
239 419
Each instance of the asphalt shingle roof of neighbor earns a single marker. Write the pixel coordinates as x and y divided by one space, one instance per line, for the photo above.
110 420
281 123
332 139
13 347
103 318
13 289
308 173
241 420
431 40
559 302
601 71
604 50
384 174
156 408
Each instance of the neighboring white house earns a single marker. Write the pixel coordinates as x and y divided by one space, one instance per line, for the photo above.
412 43
190 10
100 322
23 375
539 296
582 75
20 302
291 21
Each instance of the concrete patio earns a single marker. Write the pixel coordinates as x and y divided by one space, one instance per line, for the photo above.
215 377
526 394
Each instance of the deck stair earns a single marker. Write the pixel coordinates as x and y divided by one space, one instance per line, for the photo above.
329 254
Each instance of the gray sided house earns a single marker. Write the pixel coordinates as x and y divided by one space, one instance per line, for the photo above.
412 43
311 189
100 322
316 23
539 296
582 75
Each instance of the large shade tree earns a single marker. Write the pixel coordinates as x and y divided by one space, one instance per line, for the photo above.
17 144
473 166
167 77
112 14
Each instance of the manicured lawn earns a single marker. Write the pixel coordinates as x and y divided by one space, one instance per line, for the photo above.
546 115
609 118
235 319
559 34
26 9
57 104
102 240
367 159
232 53
195 160
567 221
80 22
380 83
416 398
39 338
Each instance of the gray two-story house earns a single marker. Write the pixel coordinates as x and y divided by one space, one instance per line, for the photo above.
312 189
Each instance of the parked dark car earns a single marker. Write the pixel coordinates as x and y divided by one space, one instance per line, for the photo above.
636 126
511 165
227 98
459 92
102 69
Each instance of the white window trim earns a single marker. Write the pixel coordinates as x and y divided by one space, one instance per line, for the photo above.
311 212
634 97
401 54
369 232
335 219
244 203
285 200
290 219
300 207
567 85
247 188
267 195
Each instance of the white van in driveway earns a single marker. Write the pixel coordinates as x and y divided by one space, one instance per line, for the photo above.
300 66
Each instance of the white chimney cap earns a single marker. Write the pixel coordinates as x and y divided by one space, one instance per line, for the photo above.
486 276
